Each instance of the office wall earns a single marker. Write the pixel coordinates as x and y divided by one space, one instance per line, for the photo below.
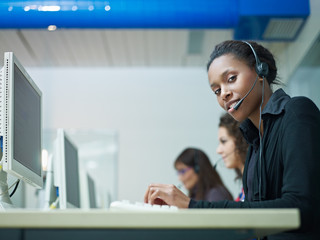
305 82
156 111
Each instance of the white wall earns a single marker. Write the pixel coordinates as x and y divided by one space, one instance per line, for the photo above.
157 112
305 82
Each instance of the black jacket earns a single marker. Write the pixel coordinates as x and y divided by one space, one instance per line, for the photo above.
289 163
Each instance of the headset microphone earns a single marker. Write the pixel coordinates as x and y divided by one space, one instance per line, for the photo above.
220 159
239 103
216 164
262 70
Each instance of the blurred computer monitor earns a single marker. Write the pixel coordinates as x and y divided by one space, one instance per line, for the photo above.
20 127
66 171
92 192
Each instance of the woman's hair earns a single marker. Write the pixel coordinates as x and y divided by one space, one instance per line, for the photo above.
207 175
243 52
232 127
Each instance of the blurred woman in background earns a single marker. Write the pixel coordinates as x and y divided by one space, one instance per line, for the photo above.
232 147
199 177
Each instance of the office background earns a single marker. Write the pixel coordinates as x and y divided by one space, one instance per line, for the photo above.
150 93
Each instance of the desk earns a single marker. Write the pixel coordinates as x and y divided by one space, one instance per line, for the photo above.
182 224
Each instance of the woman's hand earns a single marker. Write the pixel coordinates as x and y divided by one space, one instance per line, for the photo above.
166 194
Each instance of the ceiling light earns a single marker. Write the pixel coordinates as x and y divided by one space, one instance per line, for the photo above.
49 8
52 27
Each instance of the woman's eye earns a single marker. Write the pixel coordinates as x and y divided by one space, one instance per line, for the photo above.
217 91
232 78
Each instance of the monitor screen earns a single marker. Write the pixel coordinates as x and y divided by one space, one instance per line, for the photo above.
72 173
66 171
92 192
26 123
21 122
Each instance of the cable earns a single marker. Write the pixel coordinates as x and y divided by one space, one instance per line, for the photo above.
1 194
260 139
15 188
54 204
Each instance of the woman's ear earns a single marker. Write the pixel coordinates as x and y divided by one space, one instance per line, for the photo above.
261 79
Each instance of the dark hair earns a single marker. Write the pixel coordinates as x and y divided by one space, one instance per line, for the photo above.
243 52
208 176
233 130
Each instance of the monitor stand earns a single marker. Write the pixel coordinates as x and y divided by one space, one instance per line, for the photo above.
5 201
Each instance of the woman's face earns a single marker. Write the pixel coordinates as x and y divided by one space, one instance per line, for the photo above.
187 175
231 79
227 149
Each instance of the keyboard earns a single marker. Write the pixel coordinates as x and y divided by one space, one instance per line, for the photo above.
140 206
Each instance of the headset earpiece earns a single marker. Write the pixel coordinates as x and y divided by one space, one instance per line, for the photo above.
261 68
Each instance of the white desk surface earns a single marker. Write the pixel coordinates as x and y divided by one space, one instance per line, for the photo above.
261 221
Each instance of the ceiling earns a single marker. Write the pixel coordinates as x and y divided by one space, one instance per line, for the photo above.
115 48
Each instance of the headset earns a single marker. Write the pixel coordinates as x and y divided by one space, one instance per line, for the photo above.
196 161
262 68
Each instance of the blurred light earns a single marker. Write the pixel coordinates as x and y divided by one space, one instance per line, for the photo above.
52 27
26 8
10 8
33 7
49 8
91 8
107 8
44 159
74 8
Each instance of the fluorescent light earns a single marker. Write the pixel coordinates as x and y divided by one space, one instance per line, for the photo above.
49 8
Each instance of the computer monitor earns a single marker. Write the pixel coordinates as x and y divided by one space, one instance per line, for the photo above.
91 192
66 171
20 127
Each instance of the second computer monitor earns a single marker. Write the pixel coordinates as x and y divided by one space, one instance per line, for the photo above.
66 171
91 192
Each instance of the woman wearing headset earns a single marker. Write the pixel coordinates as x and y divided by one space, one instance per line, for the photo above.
282 164
199 177
232 148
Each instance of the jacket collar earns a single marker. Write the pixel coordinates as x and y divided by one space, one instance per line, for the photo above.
276 103
275 106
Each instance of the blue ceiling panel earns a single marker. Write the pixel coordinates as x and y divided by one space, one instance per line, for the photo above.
250 19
